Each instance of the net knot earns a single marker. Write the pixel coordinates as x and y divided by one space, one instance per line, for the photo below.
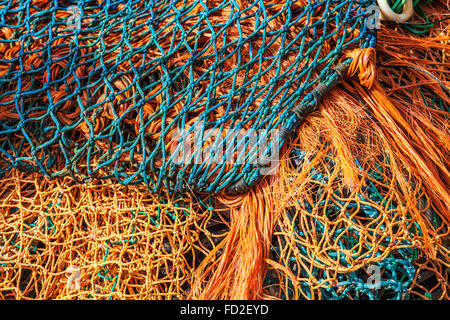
363 63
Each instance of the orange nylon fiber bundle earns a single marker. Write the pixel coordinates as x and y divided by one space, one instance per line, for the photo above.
114 241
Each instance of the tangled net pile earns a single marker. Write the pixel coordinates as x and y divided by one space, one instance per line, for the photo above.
95 114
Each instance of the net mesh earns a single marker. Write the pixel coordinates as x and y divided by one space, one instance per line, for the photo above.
362 242
372 232
120 88
61 239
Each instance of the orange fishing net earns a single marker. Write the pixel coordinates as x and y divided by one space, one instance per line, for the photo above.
61 239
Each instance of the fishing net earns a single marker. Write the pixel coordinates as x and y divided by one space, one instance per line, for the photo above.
61 239
113 112
124 92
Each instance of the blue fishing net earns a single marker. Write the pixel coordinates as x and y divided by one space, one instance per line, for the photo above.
100 89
